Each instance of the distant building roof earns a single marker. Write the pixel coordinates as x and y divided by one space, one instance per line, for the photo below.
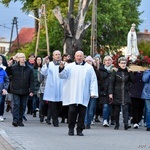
25 36
2 39
146 32
143 36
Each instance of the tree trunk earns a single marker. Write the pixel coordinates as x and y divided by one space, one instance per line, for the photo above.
72 45
73 27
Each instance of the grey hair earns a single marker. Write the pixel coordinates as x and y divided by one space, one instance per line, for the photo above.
122 59
107 57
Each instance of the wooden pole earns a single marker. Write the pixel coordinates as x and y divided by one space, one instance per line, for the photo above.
94 29
38 37
46 29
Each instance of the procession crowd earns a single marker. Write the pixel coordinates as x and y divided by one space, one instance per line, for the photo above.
78 91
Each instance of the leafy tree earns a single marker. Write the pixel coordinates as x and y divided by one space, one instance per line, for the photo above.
144 46
114 21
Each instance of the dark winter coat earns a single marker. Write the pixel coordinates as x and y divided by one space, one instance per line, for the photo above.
137 87
36 82
22 79
119 86
104 83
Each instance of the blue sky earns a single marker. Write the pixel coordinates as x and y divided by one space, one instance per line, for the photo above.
7 15
145 6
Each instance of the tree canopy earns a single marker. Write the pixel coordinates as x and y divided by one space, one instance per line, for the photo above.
114 21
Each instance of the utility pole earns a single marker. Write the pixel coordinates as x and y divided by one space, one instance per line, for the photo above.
12 29
94 29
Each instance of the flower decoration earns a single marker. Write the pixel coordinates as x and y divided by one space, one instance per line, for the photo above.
115 57
142 60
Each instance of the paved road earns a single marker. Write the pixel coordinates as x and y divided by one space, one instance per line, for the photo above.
40 136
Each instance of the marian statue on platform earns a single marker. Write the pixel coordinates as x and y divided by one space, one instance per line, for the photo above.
132 50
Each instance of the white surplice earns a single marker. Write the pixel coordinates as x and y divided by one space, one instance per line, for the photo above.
53 87
80 83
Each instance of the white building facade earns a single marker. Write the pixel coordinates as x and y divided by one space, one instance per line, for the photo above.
4 46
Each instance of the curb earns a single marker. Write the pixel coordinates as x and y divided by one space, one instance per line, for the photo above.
7 143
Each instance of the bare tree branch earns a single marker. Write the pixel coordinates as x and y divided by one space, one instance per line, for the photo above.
64 22
58 15
81 17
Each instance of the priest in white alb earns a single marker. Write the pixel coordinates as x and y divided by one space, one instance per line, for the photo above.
53 87
80 84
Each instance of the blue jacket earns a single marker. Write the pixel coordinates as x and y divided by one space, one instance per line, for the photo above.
4 80
146 89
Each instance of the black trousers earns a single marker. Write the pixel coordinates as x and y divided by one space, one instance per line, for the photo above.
125 110
55 111
76 113
137 109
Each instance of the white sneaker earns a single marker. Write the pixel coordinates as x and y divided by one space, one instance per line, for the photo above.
92 122
135 126
1 119
105 123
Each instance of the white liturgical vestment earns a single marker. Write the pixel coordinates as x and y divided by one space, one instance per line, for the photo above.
80 83
53 87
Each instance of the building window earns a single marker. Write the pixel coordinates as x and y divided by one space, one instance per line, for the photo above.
2 50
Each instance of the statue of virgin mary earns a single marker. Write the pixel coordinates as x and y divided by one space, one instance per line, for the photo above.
132 49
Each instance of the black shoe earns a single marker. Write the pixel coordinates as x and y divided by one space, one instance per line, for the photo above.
34 114
80 134
41 118
126 127
8 108
116 127
21 124
15 124
48 122
55 125
148 129
112 122
71 132
63 120
28 112
24 118
55 122
97 120
87 127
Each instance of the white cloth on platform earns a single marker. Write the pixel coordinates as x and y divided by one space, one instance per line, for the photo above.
80 83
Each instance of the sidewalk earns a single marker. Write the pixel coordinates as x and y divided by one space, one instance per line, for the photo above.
6 143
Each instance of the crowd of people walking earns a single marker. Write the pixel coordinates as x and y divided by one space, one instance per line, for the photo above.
76 90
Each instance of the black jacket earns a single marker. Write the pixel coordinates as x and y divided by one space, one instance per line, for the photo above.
119 86
22 79
137 87
104 83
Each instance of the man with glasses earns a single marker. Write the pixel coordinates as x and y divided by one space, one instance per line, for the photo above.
22 85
